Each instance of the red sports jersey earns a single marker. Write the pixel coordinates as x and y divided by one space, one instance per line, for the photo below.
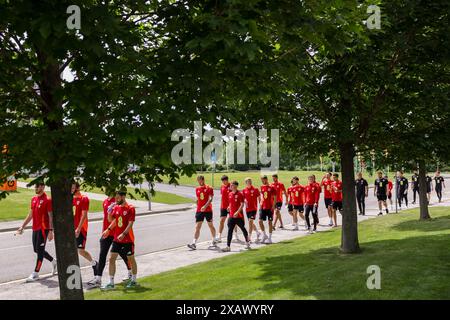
81 203
251 196
326 183
106 204
312 192
123 214
203 193
224 191
390 185
235 200
298 195
336 196
40 207
267 193
290 192
279 189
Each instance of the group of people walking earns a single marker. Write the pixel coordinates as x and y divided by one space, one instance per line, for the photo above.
302 202
263 203
383 190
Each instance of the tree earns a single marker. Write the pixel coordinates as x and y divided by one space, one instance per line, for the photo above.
419 125
90 104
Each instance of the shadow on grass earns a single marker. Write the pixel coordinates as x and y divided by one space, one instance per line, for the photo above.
433 224
411 268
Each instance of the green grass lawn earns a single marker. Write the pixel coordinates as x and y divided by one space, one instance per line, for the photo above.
17 205
414 257
159 196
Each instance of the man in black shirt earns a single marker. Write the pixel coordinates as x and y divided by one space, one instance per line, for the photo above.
429 187
362 191
402 189
415 185
438 184
381 192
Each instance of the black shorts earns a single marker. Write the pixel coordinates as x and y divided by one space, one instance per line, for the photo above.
251 214
328 202
266 214
39 238
123 249
337 205
299 207
278 205
381 197
201 216
81 240
290 207
223 212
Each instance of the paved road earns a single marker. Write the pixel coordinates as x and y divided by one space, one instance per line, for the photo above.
153 233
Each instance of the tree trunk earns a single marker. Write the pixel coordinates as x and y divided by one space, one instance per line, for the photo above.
423 200
69 274
349 240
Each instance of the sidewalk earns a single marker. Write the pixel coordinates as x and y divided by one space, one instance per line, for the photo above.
157 262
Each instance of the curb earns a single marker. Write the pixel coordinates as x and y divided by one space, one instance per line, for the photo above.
145 213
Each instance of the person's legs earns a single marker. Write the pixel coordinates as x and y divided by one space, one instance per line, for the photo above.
105 245
231 225
405 196
307 211
112 266
315 218
363 204
359 201
241 225
221 225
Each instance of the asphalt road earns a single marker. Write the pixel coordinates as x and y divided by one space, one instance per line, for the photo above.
153 233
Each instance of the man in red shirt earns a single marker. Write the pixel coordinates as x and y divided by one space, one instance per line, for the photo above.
312 192
123 217
336 197
224 191
390 187
297 199
251 197
41 214
80 218
280 190
326 184
290 206
236 215
268 200
204 211
105 243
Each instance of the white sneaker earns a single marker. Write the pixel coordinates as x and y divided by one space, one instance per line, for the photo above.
54 267
218 240
94 283
268 241
226 249
127 278
264 239
247 245
33 277
295 228
258 236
